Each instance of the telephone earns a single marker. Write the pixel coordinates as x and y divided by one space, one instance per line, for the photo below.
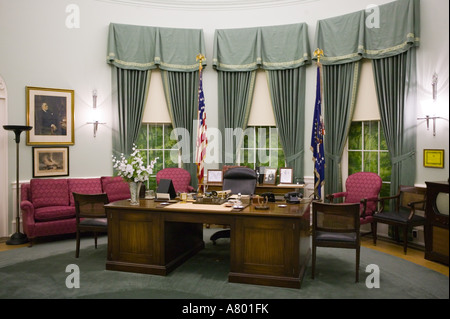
293 197
270 197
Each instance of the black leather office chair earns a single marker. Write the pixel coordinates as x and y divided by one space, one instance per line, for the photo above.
239 180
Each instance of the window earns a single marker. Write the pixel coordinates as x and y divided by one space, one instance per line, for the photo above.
367 152
154 141
261 147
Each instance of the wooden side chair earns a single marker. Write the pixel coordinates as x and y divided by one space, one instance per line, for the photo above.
337 226
90 215
408 200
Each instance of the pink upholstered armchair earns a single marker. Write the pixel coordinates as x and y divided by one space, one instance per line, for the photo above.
364 188
180 177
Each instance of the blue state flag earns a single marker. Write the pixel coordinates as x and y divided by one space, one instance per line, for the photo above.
318 132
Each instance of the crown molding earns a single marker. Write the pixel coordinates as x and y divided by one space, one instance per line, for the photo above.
208 4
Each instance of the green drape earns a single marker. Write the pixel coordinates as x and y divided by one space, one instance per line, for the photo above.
282 50
235 97
145 48
287 91
132 89
339 95
373 33
380 33
395 83
181 91
133 51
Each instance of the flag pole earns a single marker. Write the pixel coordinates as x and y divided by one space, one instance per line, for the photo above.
318 133
201 130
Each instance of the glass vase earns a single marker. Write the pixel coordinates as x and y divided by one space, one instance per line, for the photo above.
135 188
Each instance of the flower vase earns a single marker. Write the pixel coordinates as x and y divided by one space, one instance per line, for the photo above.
135 188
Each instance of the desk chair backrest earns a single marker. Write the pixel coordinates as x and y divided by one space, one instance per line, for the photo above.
240 180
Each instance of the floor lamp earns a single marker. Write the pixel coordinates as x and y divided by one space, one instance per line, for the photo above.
17 238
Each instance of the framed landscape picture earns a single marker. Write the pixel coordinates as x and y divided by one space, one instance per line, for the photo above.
50 161
51 114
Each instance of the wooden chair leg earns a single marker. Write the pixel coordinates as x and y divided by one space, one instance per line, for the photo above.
313 261
405 239
357 263
373 225
77 250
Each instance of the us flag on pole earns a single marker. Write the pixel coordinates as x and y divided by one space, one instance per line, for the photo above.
202 140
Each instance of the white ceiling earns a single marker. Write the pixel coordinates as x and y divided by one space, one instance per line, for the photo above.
208 4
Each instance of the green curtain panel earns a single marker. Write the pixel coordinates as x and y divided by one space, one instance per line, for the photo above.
235 98
373 33
132 87
287 91
395 87
340 83
181 91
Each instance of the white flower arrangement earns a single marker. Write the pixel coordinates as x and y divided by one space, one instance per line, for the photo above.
132 169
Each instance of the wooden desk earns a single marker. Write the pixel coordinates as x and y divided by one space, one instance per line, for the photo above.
267 247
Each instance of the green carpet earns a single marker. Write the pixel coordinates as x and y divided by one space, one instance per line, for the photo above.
39 272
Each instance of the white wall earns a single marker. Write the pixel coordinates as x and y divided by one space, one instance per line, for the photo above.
37 49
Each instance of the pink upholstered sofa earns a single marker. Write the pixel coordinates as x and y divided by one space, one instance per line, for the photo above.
48 207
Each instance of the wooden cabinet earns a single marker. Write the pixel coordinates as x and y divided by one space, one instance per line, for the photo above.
436 229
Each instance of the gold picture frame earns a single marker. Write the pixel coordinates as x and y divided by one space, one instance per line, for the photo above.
433 158
51 114
50 161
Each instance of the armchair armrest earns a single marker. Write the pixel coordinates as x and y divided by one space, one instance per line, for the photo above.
330 197
364 203
27 212
191 189
412 205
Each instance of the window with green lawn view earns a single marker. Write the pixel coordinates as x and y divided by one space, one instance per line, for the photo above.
367 152
154 141
261 147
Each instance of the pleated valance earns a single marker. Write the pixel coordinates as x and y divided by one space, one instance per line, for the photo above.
269 48
145 48
379 32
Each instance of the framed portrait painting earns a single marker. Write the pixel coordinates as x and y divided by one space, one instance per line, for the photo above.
51 114
50 161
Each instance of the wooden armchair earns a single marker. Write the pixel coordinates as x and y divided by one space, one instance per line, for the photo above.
408 200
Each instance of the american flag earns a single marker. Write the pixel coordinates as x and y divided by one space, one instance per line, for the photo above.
202 140
318 132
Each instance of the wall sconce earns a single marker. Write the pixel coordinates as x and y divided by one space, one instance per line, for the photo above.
427 117
94 107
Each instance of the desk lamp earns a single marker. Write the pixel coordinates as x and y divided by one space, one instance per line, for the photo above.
17 238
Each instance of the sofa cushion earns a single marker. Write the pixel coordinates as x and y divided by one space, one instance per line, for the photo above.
115 187
49 192
49 213
83 186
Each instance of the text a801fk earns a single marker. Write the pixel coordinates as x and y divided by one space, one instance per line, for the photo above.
230 309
